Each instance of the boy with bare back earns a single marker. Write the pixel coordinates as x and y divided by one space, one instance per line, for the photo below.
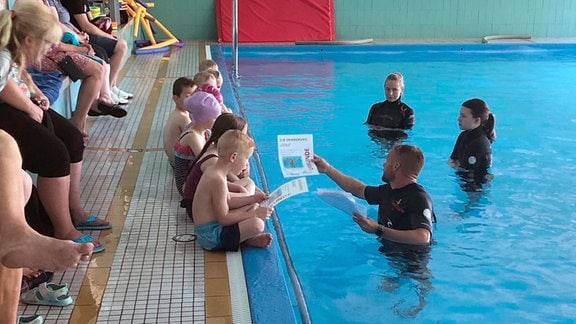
222 224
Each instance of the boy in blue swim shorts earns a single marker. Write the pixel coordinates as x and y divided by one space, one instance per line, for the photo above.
223 224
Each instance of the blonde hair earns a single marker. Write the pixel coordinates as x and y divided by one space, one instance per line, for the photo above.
203 77
411 158
396 76
235 141
207 65
27 18
215 73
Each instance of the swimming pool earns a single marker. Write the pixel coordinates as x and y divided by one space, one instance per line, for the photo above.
505 254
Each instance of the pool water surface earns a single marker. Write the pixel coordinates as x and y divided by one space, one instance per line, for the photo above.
500 255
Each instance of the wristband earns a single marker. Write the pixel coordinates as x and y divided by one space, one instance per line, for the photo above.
379 231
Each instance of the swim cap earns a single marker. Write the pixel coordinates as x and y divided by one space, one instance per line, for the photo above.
202 106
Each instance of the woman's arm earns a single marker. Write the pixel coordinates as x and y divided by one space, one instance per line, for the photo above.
14 97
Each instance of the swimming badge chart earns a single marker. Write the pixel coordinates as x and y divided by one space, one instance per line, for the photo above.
285 191
295 153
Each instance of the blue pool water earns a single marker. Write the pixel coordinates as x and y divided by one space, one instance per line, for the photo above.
505 254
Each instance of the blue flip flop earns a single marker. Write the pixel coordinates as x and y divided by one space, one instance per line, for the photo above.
89 239
87 224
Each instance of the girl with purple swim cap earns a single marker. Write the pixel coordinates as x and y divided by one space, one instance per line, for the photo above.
203 109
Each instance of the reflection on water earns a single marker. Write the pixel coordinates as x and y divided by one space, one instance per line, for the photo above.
387 138
408 263
474 180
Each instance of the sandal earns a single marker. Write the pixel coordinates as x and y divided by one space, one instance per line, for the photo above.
88 239
88 224
34 319
50 294
44 276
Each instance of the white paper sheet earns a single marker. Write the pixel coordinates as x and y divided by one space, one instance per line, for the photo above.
285 191
295 153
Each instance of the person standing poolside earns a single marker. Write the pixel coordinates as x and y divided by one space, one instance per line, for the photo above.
472 153
405 211
389 119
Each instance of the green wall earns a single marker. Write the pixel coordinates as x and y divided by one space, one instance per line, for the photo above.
454 18
187 19
402 19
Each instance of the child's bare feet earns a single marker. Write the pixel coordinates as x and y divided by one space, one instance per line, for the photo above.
261 240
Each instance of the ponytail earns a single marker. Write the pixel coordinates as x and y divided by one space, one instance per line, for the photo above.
488 127
480 109
223 123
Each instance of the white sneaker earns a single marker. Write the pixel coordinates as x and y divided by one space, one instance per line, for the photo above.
121 93
118 100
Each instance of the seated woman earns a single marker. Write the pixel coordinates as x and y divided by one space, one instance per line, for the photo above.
472 153
115 48
238 184
80 42
50 145
20 245
94 95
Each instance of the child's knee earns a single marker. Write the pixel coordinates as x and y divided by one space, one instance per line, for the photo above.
259 225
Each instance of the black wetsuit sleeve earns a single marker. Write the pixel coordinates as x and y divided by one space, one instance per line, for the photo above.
408 120
420 211
372 195
455 151
370 119
476 155
472 154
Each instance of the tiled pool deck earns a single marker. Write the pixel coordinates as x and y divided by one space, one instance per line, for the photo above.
143 276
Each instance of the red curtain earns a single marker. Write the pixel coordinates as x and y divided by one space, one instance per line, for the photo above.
277 20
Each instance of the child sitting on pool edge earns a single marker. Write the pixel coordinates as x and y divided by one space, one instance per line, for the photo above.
207 81
238 185
179 118
220 226
203 109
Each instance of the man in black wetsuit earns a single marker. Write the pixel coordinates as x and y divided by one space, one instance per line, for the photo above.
405 216
389 119
405 211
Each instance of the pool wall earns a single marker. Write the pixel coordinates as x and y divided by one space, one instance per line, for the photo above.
399 19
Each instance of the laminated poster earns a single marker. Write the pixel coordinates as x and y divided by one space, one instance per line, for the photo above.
285 191
295 153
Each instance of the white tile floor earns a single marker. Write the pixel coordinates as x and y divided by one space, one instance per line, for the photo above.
152 279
